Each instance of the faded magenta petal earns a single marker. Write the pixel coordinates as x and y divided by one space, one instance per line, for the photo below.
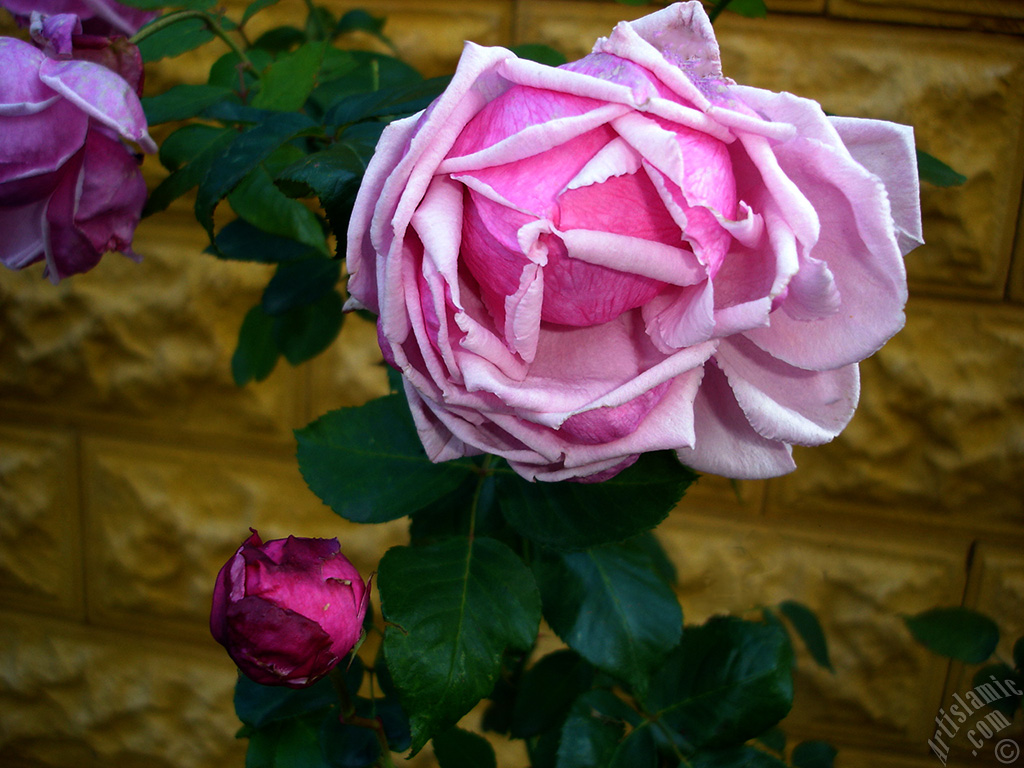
576 265
70 188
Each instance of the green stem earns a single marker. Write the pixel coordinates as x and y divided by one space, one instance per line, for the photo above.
349 717
208 19
318 21
485 472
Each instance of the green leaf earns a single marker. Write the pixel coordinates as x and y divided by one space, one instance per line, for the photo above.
728 681
256 353
813 754
660 560
182 102
456 748
288 744
305 331
333 175
258 200
637 750
453 608
241 157
255 7
188 176
753 9
610 605
774 739
286 84
806 624
260 705
347 746
174 40
592 731
188 142
936 172
395 101
359 20
298 283
241 241
735 757
368 465
578 515
957 633
279 39
228 71
999 682
548 690
543 54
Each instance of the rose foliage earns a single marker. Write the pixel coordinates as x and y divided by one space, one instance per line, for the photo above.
612 270
576 265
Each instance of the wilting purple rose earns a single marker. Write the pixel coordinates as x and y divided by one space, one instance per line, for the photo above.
576 265
99 17
70 189
288 610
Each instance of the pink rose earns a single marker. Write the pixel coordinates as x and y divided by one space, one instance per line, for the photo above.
288 610
628 253
70 189
100 17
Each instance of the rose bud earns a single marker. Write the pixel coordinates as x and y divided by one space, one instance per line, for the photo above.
288 610
575 265
70 188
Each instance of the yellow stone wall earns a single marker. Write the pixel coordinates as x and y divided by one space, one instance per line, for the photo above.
131 467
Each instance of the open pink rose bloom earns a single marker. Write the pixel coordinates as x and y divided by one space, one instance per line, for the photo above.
575 265
70 188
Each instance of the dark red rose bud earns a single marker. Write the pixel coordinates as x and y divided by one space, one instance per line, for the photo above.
288 610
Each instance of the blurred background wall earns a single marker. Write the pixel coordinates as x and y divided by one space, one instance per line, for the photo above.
131 467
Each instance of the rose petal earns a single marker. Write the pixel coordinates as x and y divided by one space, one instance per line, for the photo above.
101 94
725 443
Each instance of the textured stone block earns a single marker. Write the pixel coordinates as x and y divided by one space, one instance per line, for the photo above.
40 554
162 521
884 686
1016 287
149 342
1005 16
76 697
939 433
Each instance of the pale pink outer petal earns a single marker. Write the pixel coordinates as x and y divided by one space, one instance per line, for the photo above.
361 255
858 244
887 150
102 94
725 442
784 403
672 43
